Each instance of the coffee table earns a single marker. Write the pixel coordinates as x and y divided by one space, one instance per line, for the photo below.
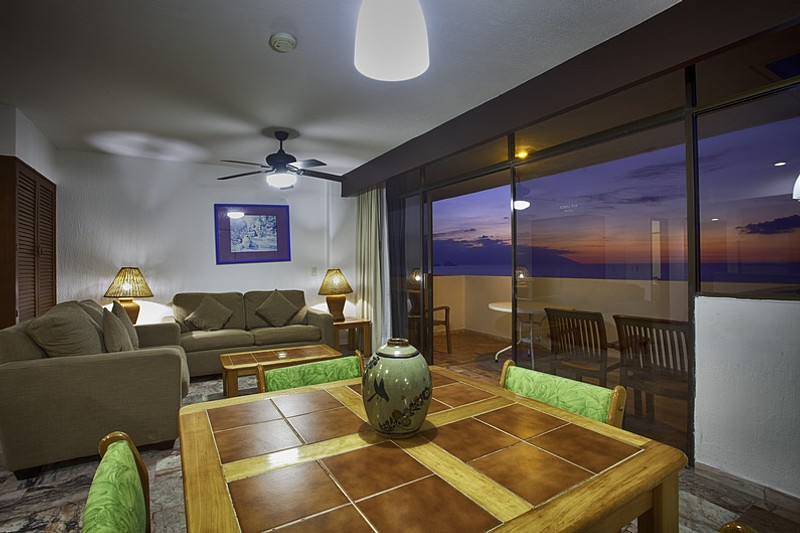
244 363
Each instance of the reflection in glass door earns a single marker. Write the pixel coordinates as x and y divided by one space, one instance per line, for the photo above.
601 280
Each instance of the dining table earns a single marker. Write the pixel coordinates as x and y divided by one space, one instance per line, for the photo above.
485 459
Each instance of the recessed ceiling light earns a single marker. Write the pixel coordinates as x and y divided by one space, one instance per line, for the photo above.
714 220
779 164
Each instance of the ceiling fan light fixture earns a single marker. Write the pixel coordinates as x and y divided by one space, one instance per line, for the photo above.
391 40
235 213
281 180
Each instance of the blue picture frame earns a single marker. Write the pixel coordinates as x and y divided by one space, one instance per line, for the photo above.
254 234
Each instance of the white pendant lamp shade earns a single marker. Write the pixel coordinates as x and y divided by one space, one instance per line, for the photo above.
796 190
281 180
391 40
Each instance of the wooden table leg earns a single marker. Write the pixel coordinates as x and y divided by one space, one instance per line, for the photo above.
231 383
663 517
367 338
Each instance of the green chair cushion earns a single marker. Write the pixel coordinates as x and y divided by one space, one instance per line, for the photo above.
577 397
116 499
312 373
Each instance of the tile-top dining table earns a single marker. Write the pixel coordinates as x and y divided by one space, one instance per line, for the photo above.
485 460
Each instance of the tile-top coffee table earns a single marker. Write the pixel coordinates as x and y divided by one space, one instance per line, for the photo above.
244 363
486 460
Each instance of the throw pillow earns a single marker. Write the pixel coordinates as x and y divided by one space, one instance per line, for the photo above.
114 334
300 316
66 330
94 310
276 309
210 315
118 311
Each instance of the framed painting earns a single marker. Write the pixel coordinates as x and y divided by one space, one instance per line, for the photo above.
251 233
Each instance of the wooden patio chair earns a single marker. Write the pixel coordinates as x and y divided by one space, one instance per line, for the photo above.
440 320
655 359
119 497
598 403
578 344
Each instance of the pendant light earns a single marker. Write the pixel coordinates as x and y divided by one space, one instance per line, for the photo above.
391 40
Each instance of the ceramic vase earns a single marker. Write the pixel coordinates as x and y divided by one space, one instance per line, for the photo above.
396 389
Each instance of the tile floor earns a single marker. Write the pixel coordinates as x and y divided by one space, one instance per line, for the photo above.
53 502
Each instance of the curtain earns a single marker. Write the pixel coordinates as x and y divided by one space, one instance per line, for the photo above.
372 291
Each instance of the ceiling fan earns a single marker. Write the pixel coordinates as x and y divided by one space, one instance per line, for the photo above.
282 169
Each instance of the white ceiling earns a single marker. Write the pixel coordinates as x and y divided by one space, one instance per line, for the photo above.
199 74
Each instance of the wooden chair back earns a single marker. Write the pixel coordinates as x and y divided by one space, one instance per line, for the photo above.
578 343
654 344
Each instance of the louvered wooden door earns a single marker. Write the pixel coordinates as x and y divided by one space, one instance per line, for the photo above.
27 245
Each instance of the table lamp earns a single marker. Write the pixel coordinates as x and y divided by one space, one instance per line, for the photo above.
334 287
414 286
128 284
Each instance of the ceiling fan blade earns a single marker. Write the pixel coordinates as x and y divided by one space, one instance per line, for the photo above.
307 163
244 163
322 175
252 172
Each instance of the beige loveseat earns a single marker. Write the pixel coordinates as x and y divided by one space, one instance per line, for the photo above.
213 324
61 392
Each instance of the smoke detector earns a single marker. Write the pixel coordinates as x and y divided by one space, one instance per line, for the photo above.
282 42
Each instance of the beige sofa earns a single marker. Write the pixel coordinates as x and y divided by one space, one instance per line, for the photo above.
60 393
227 322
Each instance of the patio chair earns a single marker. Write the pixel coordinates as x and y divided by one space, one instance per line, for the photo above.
598 403
290 377
119 497
441 320
578 344
655 359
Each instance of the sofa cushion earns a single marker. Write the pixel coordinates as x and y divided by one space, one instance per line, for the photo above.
16 345
254 299
197 341
184 303
66 330
119 312
286 334
94 310
277 310
210 315
115 336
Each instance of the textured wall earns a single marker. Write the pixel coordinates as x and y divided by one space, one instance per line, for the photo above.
20 137
748 369
158 215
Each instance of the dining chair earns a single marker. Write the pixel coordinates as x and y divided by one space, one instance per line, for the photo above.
290 377
119 497
578 344
598 403
655 359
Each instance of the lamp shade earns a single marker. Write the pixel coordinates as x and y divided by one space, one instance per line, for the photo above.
414 279
796 190
334 282
282 180
391 40
128 283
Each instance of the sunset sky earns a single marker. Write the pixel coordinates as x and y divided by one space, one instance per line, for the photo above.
603 214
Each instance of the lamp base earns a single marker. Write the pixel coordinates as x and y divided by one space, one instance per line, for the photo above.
336 306
131 308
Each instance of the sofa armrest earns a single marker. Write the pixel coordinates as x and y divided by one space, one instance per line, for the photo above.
160 334
59 408
324 321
